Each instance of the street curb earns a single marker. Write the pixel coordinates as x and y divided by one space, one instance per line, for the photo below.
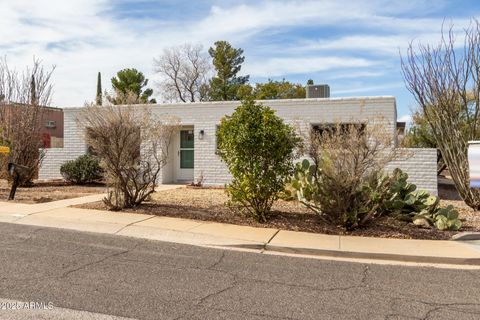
455 251
466 236
363 255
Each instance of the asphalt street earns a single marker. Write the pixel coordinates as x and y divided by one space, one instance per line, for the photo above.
92 276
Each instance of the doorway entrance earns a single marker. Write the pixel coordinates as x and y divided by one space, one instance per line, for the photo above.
185 155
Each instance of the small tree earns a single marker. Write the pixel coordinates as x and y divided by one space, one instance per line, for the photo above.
132 144
131 82
259 149
445 82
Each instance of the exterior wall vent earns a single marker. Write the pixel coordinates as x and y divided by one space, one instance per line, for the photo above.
318 91
50 124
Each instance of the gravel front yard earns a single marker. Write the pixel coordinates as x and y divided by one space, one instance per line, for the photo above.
209 205
46 192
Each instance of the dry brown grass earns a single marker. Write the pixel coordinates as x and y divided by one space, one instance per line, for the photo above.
46 192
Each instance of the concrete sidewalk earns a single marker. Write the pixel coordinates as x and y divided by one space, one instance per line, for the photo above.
58 215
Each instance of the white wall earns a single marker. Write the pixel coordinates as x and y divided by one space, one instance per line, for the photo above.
299 112
421 166
73 147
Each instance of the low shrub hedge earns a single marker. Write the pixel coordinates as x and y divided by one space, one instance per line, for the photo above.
84 169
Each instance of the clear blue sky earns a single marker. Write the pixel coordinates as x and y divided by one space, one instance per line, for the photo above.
351 45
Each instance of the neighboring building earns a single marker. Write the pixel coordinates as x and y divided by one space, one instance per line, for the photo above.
50 126
401 129
192 154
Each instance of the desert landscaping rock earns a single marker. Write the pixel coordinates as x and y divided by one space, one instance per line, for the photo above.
207 204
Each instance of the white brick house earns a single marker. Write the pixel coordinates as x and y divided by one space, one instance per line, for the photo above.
193 151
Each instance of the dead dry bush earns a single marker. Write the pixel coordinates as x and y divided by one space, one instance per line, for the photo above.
132 144
344 181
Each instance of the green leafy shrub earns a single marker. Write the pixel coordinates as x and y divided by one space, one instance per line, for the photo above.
258 149
84 169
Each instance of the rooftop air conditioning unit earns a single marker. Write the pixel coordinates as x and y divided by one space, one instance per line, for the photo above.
318 91
50 124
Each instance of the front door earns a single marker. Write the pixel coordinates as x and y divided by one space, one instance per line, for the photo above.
185 156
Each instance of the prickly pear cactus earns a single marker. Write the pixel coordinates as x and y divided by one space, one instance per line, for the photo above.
447 219
419 207
301 186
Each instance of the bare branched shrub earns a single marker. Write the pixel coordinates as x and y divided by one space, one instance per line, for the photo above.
132 144
342 183
445 82
346 156
184 70
23 98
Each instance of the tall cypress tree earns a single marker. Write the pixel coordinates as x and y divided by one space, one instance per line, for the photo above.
99 89
33 91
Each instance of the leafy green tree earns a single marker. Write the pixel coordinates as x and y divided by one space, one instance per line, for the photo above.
98 98
309 82
279 90
131 82
245 91
271 90
227 62
259 149
420 135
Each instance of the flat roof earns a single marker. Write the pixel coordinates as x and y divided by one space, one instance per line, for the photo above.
266 102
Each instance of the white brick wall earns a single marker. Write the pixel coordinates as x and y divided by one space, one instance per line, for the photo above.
420 165
73 146
54 158
299 112
206 116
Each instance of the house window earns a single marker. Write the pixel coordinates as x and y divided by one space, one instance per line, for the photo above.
330 128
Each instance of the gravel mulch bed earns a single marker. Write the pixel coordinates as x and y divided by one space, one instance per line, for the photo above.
46 192
209 205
